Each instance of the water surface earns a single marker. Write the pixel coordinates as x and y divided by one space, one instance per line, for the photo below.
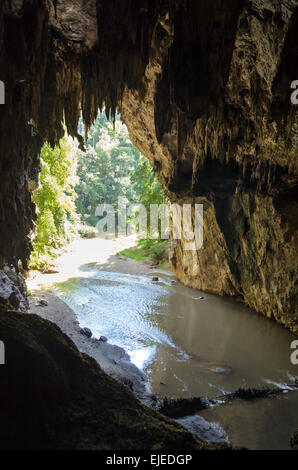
194 347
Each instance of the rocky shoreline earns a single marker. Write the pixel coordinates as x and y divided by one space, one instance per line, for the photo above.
111 358
114 361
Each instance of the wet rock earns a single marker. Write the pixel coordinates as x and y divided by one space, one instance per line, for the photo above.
209 431
103 339
12 288
155 278
14 300
181 407
41 303
86 331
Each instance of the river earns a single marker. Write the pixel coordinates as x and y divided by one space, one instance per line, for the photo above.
190 343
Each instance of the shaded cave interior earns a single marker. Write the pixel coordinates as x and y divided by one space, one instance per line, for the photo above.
205 93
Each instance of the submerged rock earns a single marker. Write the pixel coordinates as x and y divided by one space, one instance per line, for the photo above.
221 370
41 303
209 431
181 407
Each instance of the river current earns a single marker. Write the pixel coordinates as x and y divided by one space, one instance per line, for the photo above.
190 343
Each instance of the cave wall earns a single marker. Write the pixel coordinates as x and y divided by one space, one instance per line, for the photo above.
218 126
205 93
58 59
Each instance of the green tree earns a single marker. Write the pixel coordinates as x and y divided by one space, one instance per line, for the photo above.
146 185
55 201
104 169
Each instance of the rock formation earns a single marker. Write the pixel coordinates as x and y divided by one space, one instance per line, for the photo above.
217 124
205 92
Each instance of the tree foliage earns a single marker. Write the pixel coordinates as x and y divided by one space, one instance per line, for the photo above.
55 200
113 167
104 169
145 184
73 183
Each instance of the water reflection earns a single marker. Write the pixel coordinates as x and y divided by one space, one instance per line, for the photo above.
187 346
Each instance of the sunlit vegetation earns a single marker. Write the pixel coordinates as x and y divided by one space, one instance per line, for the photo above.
55 201
145 184
105 168
73 183
154 251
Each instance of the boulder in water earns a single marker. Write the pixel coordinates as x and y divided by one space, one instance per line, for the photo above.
86 331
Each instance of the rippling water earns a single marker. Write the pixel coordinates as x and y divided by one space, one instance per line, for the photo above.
193 347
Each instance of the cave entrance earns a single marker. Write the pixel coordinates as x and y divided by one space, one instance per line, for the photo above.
102 192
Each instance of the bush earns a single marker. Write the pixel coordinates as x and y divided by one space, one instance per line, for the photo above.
149 249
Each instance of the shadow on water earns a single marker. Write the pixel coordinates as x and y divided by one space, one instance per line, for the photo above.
191 347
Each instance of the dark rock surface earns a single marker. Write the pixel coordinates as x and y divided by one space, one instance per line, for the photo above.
87 332
294 440
12 288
